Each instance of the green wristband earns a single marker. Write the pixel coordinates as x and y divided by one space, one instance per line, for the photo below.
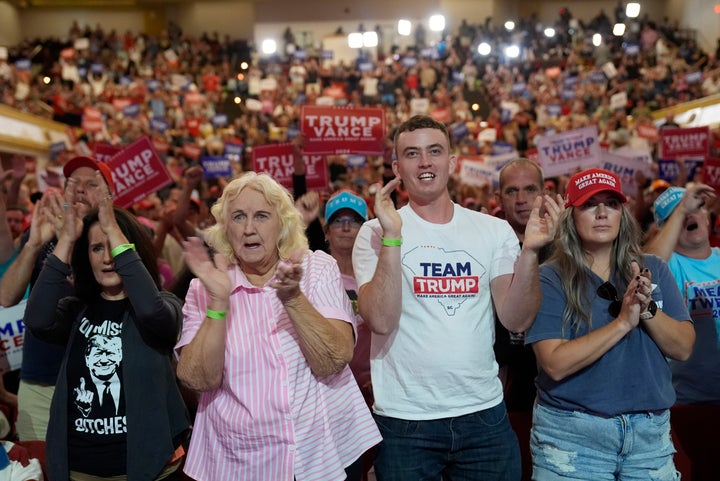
121 248
215 314
387 242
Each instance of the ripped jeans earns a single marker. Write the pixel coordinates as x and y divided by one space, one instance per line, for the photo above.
577 446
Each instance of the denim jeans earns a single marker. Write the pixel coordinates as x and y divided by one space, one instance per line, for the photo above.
477 446
572 445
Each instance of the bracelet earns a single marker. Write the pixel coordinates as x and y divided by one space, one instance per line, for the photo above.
215 314
117 250
389 242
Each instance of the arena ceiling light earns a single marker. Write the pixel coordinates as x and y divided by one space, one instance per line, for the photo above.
549 32
597 39
437 23
355 40
404 27
509 25
632 10
619 29
269 46
484 49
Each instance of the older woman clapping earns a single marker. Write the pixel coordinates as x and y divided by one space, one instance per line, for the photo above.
267 338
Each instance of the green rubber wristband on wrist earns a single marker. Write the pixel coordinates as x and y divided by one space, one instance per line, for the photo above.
389 242
215 314
121 248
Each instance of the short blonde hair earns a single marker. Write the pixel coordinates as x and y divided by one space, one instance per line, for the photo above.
292 229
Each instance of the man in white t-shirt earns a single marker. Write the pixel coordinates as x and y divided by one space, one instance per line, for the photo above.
431 275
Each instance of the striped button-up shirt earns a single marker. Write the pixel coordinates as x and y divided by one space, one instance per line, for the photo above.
272 418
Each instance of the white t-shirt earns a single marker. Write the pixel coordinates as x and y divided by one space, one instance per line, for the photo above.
439 362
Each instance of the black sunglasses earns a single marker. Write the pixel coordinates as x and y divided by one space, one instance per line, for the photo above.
608 292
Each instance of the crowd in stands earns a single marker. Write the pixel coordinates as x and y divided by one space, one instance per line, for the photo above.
183 84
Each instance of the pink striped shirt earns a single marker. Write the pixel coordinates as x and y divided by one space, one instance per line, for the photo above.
272 419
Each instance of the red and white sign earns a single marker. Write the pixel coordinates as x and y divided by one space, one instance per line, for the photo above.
120 103
104 152
711 173
690 142
338 130
648 131
192 151
137 171
92 120
278 160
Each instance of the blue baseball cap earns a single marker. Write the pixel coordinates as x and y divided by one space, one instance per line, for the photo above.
666 202
345 200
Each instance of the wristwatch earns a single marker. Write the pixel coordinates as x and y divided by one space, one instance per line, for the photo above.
650 312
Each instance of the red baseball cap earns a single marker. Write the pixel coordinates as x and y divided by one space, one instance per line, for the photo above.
83 161
587 183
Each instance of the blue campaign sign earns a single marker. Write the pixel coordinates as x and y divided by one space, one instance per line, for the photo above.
570 81
159 125
216 166
23 64
125 80
518 88
499 148
554 110
300 54
97 68
356 160
429 52
459 130
327 54
365 66
82 72
233 149
693 77
567 93
292 132
409 62
153 85
132 110
56 148
632 49
597 77
219 120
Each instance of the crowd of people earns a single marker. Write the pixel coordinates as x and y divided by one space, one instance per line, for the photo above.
257 329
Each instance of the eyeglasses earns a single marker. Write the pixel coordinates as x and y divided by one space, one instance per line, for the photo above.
341 222
608 292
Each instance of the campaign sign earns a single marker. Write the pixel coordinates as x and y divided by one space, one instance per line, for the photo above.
12 333
119 103
518 88
554 110
626 168
365 66
356 161
137 171
476 172
500 147
684 142
670 170
159 125
233 151
191 151
648 131
56 148
278 161
216 166
327 54
92 120
711 173
153 85
459 130
219 120
125 80
563 153
597 77
104 152
23 64
132 110
693 77
419 106
409 62
334 130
